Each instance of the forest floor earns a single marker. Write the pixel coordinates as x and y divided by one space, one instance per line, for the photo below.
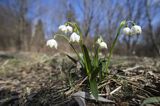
33 79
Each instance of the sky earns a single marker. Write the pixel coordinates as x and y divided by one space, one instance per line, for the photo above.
47 10
51 7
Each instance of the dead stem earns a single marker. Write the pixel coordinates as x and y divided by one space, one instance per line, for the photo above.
76 87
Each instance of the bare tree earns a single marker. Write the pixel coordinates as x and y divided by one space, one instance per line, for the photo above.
150 34
90 15
38 39
17 27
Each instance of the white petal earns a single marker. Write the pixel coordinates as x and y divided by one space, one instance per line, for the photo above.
126 31
52 43
74 37
63 28
103 45
136 30
69 29
99 40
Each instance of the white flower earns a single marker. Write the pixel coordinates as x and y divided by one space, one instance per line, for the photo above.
74 37
126 31
52 43
63 28
99 40
69 29
103 45
136 30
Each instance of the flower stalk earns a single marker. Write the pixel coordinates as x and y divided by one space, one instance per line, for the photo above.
122 24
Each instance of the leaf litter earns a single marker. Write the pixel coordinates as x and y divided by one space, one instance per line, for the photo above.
45 80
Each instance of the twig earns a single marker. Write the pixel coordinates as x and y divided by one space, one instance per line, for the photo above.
132 68
117 89
76 87
100 86
102 94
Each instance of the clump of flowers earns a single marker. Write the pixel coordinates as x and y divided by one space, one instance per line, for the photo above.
94 67
134 30
65 28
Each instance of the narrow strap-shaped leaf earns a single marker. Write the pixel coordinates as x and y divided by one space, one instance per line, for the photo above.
72 59
96 57
95 72
94 88
87 60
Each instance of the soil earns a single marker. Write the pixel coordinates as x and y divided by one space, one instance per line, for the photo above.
29 79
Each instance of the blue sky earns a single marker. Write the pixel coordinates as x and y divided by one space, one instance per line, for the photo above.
47 10
50 8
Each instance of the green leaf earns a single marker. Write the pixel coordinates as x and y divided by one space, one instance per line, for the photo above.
95 72
94 88
104 68
96 57
72 59
87 60
151 100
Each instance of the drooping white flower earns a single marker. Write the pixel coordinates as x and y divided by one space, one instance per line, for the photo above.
63 28
99 40
69 29
126 31
74 37
103 45
136 30
52 43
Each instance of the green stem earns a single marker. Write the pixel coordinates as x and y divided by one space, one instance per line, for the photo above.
83 52
113 45
85 60
75 51
77 30
69 43
97 56
56 35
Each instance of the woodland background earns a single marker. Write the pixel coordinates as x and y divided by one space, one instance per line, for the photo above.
25 25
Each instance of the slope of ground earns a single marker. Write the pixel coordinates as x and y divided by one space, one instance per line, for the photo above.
39 79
